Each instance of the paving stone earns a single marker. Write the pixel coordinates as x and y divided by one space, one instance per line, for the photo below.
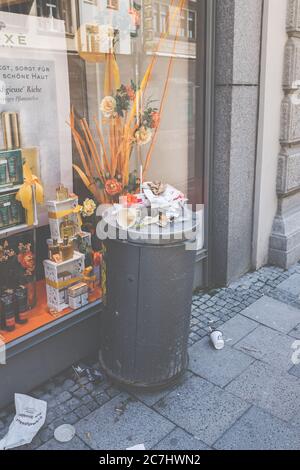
291 285
219 367
152 397
71 418
46 434
180 440
272 313
121 423
295 333
268 388
295 421
237 328
295 370
92 405
258 430
63 397
75 444
269 346
101 398
82 411
68 384
80 392
112 391
202 409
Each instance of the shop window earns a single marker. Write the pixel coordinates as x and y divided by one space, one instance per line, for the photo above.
84 122
59 9
114 4
188 21
17 6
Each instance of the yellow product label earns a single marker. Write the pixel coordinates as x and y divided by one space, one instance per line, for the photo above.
63 284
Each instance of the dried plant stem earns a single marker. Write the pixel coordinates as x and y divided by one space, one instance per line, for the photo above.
105 157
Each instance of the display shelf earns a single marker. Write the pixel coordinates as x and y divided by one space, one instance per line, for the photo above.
40 316
9 188
15 230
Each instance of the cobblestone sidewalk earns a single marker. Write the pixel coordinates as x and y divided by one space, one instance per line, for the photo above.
245 396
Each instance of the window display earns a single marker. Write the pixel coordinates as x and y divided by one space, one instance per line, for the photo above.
97 106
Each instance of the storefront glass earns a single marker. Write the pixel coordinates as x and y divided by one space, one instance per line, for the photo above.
96 96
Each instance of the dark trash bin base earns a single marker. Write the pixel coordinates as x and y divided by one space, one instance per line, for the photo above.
146 322
144 386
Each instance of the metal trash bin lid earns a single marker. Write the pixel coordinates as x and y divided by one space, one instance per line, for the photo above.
177 232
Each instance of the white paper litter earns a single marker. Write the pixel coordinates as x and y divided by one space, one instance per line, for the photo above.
64 433
30 417
137 447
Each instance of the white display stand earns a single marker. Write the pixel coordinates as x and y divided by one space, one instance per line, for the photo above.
55 285
62 207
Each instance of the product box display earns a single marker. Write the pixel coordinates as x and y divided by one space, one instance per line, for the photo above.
11 168
11 211
60 276
64 218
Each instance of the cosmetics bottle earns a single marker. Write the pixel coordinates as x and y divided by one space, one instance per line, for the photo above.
54 252
11 130
13 169
62 193
4 181
8 310
4 215
21 297
67 228
67 249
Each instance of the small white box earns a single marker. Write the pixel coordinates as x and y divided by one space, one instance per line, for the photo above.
75 302
54 274
84 299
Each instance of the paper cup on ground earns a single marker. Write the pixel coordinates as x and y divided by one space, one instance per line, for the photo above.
217 340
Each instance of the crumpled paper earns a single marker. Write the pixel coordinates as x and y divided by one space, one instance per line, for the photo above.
30 417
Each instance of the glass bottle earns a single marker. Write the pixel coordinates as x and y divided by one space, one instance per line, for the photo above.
67 249
67 228
21 295
54 252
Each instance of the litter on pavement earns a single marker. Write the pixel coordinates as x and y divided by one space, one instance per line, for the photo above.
30 417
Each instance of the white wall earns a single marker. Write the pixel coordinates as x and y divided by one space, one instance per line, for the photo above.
271 93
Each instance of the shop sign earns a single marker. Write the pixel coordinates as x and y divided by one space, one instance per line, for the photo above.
25 31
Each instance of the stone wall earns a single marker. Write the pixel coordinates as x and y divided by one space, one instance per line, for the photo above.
285 237
237 67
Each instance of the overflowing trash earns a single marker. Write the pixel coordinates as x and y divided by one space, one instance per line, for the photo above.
92 374
30 417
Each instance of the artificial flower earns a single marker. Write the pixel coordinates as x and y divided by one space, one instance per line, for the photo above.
108 106
88 207
113 187
143 135
155 119
130 92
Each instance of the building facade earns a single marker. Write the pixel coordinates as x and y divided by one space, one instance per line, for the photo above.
224 94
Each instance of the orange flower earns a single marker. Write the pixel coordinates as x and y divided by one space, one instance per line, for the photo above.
113 187
131 93
155 119
131 199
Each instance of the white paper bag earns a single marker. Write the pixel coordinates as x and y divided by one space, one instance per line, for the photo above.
30 417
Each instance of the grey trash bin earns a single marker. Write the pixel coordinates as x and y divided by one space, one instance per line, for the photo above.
145 325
